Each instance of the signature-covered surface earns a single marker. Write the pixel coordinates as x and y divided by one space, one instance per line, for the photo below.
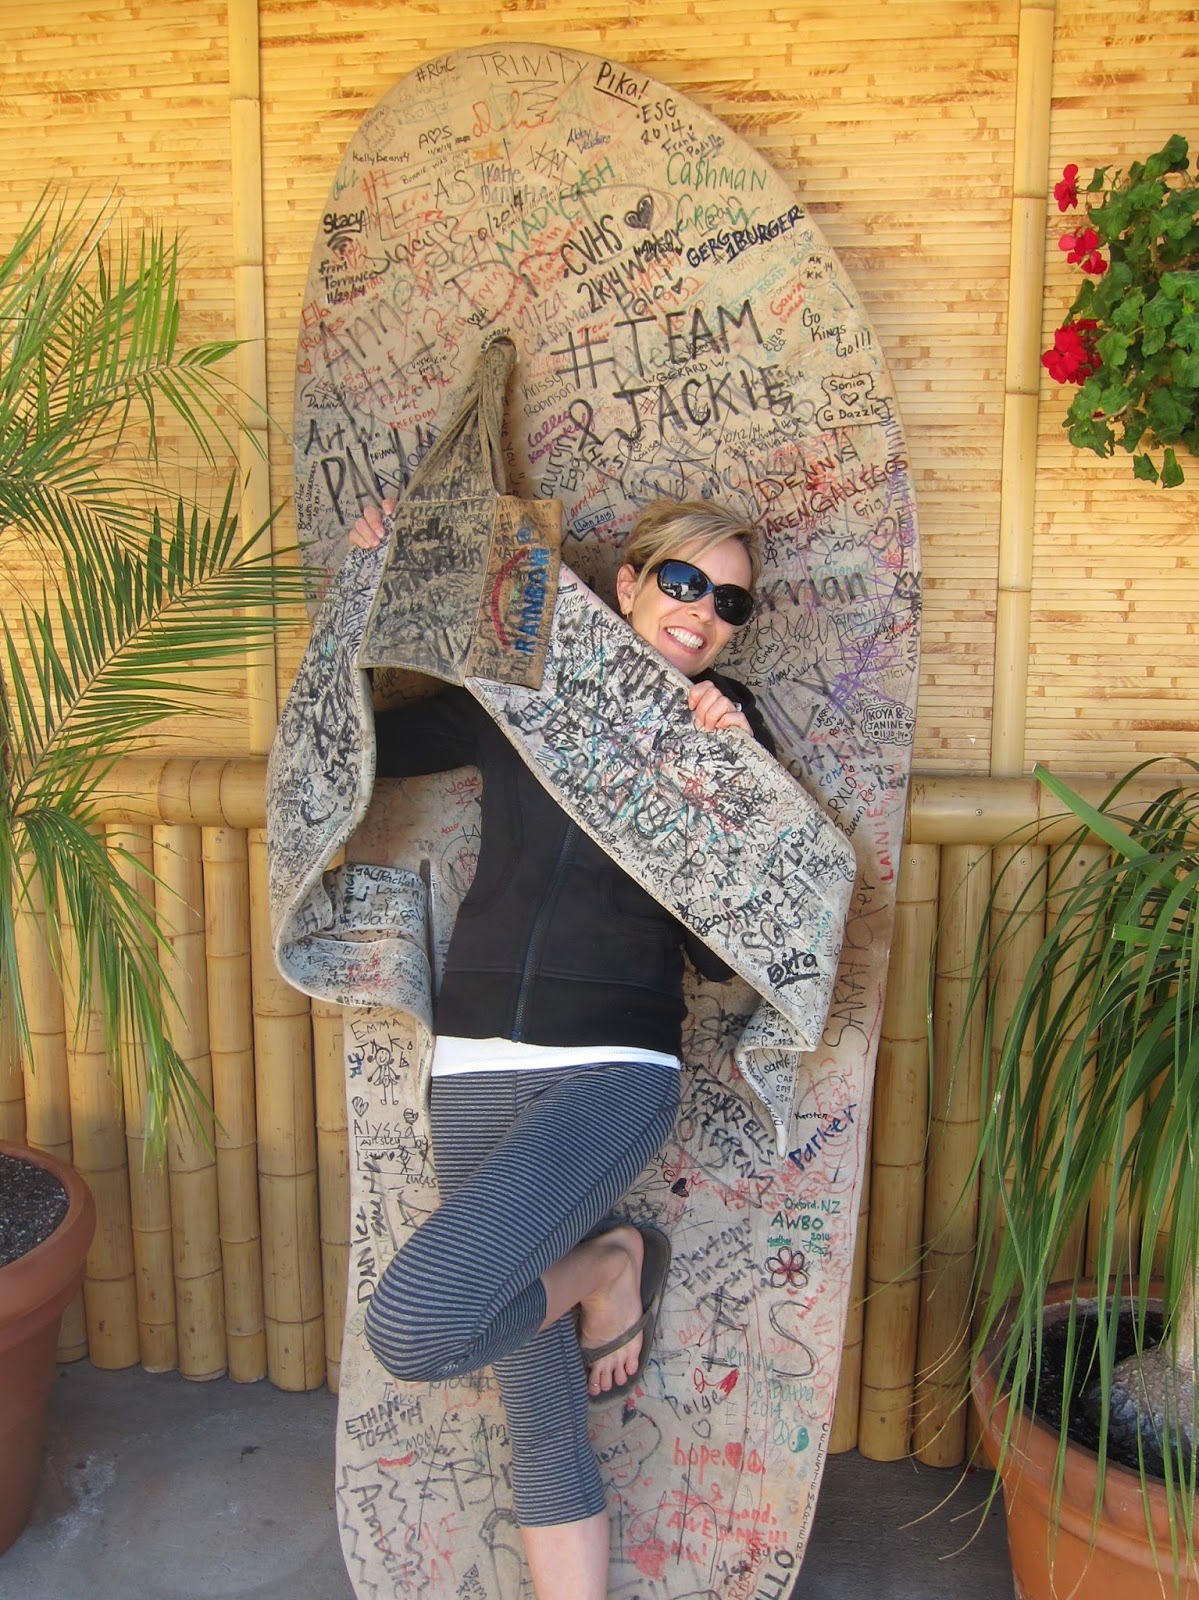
681 328
708 823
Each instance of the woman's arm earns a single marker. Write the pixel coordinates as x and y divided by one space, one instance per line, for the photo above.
436 734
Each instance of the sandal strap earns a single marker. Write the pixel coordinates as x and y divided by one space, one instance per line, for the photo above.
597 1352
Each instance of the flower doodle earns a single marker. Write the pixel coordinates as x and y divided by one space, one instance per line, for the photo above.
788 1269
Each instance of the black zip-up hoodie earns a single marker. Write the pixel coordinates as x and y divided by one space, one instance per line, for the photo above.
554 944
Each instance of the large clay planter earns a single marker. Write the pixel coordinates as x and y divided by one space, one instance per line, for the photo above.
1084 1559
34 1292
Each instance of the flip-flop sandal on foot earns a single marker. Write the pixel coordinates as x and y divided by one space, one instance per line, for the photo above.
655 1266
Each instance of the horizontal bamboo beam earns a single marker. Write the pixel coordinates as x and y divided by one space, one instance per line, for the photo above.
207 791
214 792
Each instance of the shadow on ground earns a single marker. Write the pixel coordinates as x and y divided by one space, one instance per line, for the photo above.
160 1489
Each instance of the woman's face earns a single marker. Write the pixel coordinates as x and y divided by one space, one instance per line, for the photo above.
687 632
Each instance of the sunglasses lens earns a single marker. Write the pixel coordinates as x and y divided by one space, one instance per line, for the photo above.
733 605
683 581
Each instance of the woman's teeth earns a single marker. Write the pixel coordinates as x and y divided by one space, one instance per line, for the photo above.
690 641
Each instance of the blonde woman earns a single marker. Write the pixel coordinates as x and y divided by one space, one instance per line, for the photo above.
556 1068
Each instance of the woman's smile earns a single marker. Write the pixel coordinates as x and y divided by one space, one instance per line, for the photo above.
687 632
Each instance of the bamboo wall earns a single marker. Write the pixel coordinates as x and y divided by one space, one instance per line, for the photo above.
1060 603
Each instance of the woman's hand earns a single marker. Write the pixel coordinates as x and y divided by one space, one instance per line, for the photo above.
715 712
368 533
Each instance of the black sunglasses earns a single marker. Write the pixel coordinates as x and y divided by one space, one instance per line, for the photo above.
682 580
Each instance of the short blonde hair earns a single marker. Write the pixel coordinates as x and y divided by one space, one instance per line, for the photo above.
665 526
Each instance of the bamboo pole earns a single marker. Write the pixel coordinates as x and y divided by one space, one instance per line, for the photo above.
12 1085
47 1085
231 1044
1018 880
213 792
249 302
1072 1258
1026 287
199 1297
292 1292
843 1435
333 1160
98 1146
149 1184
899 1125
951 1189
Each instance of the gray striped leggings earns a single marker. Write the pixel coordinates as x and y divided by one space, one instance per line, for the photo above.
528 1164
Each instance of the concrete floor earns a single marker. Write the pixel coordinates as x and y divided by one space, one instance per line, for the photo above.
159 1489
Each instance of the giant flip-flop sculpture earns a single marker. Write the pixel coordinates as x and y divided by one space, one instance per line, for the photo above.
680 328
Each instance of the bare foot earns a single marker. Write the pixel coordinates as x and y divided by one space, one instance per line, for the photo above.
613 1306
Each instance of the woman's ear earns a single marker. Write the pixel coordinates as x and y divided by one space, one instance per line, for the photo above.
626 588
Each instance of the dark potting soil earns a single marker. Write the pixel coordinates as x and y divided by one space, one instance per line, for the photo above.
32 1204
1085 1410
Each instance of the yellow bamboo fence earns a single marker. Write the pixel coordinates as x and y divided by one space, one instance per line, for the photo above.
255 1296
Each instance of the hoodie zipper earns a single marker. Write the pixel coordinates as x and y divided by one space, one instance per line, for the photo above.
540 924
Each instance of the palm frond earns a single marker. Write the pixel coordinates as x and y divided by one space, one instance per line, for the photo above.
89 338
142 593
81 886
127 640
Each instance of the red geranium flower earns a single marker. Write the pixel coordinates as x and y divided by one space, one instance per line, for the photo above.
1073 357
1082 249
1065 191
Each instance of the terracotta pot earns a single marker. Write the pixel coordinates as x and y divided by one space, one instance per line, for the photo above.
35 1290
1085 1558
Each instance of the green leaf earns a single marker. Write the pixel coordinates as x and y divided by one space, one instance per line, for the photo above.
1113 346
1173 154
1172 473
1126 313
1169 412
1186 331
1160 313
1135 422
1142 467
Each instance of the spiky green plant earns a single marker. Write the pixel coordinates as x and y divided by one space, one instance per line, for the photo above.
137 591
1094 1092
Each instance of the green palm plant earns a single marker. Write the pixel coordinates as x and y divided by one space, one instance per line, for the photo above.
140 591
1092 1109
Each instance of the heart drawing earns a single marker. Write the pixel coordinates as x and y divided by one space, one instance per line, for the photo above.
642 215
